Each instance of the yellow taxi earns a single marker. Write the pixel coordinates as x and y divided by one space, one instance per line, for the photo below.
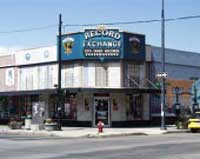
194 122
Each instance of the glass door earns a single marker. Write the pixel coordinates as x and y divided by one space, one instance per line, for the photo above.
102 110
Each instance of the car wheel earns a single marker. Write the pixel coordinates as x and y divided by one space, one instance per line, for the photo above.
194 130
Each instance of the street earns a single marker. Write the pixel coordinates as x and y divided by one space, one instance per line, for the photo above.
182 145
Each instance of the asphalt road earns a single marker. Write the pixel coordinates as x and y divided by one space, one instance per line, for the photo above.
173 146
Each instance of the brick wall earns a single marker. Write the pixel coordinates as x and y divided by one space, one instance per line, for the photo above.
185 94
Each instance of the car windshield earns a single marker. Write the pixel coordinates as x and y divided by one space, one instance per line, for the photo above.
196 115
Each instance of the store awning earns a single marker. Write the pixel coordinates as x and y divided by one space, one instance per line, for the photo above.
127 90
32 92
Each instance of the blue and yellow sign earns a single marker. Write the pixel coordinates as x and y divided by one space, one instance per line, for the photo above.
102 43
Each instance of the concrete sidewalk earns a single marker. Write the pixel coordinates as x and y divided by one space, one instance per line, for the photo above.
79 132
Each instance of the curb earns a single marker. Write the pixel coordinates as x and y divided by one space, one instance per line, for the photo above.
26 133
115 135
97 135
81 136
177 131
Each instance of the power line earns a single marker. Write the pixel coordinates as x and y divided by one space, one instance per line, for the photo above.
114 23
29 29
183 18
96 24
134 22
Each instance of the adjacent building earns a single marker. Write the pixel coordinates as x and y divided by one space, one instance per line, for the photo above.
26 77
183 70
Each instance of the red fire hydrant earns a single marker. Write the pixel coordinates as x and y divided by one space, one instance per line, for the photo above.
100 126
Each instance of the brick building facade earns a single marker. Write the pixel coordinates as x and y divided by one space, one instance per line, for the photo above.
184 93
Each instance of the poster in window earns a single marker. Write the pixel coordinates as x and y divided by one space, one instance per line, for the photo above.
71 107
115 105
86 103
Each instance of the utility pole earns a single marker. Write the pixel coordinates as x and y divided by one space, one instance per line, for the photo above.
59 70
163 127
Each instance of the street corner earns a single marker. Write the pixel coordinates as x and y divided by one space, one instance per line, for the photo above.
6 130
176 131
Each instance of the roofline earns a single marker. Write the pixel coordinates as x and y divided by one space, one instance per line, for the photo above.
32 48
121 31
124 31
71 33
183 51
186 80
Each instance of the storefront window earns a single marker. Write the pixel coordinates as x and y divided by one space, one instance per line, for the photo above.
70 107
133 74
8 107
155 104
134 107
53 102
69 76
3 109
101 75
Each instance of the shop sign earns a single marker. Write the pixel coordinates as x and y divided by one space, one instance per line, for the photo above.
101 42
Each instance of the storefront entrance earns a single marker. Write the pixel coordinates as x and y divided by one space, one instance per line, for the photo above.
101 110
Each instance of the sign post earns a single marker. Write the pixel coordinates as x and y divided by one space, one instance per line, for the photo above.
162 75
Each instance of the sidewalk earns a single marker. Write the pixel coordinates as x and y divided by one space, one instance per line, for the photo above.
80 132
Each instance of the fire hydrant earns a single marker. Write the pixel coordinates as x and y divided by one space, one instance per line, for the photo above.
100 126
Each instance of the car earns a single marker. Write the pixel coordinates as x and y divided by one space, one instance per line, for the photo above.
194 122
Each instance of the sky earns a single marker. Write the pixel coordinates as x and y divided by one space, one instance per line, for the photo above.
27 14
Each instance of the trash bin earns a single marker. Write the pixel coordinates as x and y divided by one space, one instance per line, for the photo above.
28 122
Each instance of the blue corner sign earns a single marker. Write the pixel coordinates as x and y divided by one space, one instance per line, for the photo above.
103 43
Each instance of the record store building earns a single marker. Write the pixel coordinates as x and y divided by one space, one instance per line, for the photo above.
105 77
106 74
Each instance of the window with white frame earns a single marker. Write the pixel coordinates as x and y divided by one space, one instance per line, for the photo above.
43 77
85 74
133 74
69 75
101 75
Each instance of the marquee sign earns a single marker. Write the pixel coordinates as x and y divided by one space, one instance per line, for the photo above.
101 42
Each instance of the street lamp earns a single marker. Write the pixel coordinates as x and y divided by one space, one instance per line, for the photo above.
163 126
177 104
195 106
58 107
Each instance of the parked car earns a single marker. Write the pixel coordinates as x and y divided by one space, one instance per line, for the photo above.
194 122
